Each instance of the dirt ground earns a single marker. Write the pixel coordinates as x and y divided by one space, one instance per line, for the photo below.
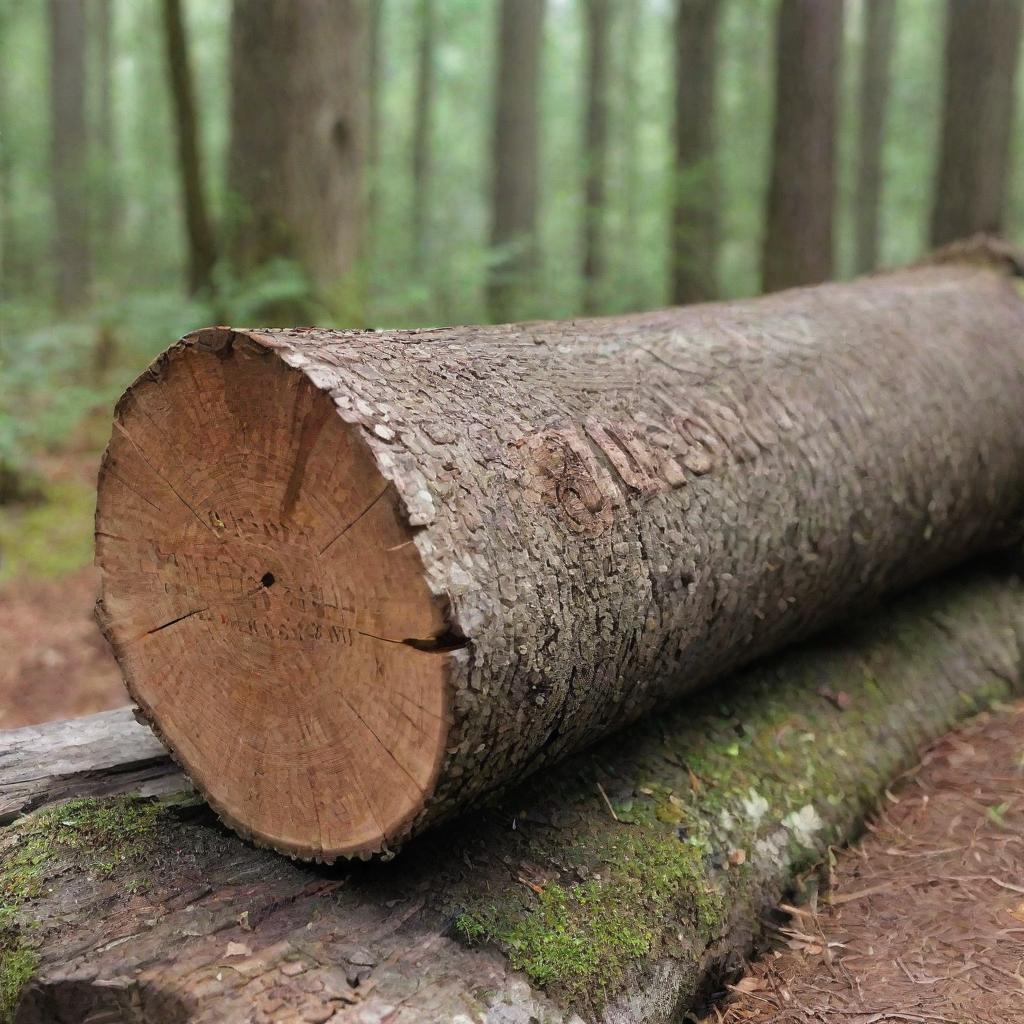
923 920
53 661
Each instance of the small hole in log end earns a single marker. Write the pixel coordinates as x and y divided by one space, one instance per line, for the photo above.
267 579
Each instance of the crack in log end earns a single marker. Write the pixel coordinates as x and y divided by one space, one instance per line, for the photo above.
288 690
447 641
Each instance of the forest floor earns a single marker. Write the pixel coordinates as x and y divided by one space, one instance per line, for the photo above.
923 921
55 664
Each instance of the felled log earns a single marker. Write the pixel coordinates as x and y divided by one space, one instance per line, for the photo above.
358 580
623 885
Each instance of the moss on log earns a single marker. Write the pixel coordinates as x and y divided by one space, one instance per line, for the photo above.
619 886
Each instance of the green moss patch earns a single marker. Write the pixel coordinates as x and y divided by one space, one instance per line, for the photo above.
583 937
99 835
18 962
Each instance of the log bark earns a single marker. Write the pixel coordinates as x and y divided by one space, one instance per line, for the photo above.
982 56
798 241
544 906
358 580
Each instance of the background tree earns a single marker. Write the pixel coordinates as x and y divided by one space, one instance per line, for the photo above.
515 154
798 240
982 54
694 187
68 153
375 14
202 251
107 214
879 23
629 115
597 20
298 137
422 124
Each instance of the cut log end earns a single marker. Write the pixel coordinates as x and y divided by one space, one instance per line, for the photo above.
267 603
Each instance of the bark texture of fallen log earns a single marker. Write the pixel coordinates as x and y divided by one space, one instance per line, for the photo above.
358 580
619 887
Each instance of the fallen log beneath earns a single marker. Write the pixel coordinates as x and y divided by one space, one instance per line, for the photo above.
619 887
359 580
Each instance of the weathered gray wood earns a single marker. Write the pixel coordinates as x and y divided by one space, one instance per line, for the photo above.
575 912
93 756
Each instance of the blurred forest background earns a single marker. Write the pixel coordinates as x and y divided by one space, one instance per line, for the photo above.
168 164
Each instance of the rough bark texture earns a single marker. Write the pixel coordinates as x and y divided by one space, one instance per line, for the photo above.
982 54
798 233
500 556
515 152
879 27
68 153
597 16
298 134
202 251
610 889
423 118
695 184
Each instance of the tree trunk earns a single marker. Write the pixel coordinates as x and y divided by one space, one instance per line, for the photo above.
423 116
298 135
627 910
464 553
695 192
982 54
798 231
515 156
595 149
879 23
69 157
628 277
108 219
10 268
375 88
202 251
